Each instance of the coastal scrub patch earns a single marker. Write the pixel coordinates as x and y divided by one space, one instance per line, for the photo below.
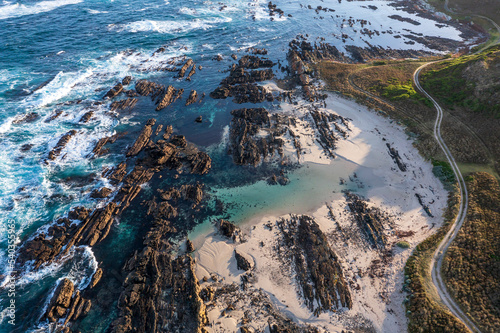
403 244
469 81
477 249
423 309
443 171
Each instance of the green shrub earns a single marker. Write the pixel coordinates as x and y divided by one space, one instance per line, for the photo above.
403 244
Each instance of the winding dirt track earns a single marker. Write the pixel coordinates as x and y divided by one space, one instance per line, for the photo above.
437 258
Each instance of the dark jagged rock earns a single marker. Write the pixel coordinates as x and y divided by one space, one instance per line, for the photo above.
189 246
248 148
191 72
167 98
281 179
143 138
179 141
242 262
424 206
96 278
318 270
63 141
160 293
123 105
255 50
369 220
327 137
99 147
184 67
240 83
101 193
192 193
397 159
61 300
200 163
226 228
56 114
239 76
253 62
27 118
146 88
113 92
26 147
193 96
199 119
87 116
126 80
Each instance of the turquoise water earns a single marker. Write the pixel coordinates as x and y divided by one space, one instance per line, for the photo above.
78 49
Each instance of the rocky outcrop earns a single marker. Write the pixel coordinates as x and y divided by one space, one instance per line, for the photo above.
185 67
101 193
318 271
95 226
96 278
227 229
99 147
248 148
66 303
240 83
426 208
63 141
148 88
123 105
281 179
26 118
143 138
370 220
126 80
168 97
327 137
113 92
396 157
193 96
242 262
161 292
61 300
200 163
86 117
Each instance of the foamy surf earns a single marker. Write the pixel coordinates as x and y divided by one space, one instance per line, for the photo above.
18 10
170 27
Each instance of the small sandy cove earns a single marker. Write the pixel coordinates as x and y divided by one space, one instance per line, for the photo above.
375 281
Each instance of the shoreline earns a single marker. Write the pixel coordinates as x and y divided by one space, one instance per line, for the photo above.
214 253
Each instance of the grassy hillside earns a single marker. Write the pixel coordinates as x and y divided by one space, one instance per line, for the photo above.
472 264
468 81
469 89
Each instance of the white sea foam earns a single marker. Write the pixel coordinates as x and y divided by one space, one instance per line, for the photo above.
59 87
170 27
17 10
93 11
79 270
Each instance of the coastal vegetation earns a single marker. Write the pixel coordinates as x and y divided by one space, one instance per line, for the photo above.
425 312
471 267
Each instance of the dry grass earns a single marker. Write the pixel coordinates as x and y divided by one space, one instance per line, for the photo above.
469 89
472 264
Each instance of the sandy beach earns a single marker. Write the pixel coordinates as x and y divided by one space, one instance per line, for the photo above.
374 276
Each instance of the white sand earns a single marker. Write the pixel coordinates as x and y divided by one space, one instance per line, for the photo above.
378 299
